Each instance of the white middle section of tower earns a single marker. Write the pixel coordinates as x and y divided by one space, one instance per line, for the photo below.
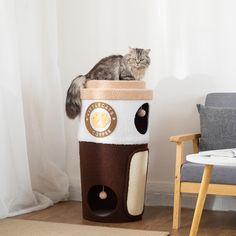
125 131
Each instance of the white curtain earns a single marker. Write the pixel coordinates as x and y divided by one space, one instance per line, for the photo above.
32 139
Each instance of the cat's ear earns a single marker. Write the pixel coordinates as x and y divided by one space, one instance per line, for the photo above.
147 50
130 49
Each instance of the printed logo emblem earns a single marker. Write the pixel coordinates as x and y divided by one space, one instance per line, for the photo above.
100 119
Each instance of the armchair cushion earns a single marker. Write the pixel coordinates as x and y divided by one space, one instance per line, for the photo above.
218 127
192 172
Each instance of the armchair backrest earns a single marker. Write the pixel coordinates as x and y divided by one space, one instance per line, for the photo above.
218 127
221 100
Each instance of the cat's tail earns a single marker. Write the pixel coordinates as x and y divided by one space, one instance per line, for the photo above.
73 101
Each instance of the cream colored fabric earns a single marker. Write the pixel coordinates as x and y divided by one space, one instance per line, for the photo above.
10 227
116 94
137 183
117 84
116 90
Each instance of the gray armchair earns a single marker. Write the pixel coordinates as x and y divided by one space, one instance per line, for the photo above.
219 119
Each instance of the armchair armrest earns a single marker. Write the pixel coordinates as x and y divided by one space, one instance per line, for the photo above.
184 137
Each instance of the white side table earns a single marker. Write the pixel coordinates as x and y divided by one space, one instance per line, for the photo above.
209 162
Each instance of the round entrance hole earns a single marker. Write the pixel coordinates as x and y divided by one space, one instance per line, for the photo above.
102 206
141 118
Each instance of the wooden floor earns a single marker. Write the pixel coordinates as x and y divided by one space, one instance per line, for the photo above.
155 218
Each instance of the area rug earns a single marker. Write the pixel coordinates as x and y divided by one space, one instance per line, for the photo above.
12 227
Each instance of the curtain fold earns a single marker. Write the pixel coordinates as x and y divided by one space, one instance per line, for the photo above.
32 139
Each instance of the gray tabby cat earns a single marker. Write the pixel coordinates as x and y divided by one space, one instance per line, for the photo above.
132 66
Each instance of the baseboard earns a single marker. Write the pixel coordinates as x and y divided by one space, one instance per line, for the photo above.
160 193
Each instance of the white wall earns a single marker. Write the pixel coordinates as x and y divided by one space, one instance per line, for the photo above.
193 53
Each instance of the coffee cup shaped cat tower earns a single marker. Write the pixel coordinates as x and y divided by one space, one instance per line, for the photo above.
113 141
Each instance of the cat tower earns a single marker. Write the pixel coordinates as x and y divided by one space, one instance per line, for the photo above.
113 141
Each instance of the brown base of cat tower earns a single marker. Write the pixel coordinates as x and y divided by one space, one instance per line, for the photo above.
113 137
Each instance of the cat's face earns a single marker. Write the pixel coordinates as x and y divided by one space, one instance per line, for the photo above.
138 58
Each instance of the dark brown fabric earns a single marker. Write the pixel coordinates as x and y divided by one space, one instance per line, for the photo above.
106 165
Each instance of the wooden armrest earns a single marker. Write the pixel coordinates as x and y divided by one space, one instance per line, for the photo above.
184 137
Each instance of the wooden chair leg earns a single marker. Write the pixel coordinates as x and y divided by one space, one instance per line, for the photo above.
177 210
177 194
201 199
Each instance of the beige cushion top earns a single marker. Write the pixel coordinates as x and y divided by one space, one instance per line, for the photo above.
116 90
